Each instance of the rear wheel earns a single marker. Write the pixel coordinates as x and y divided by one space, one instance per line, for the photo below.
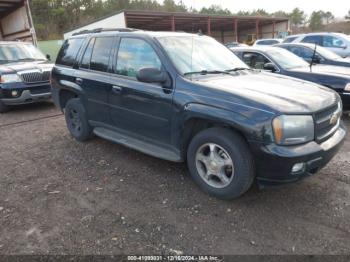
3 108
76 120
220 162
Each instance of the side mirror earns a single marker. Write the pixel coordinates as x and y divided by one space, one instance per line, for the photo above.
270 67
48 57
344 46
316 60
151 75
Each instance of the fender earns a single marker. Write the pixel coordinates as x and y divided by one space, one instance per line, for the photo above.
254 124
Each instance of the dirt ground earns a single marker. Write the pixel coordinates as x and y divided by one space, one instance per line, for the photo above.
58 196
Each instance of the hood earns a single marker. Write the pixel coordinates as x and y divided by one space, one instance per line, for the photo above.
340 71
11 68
281 93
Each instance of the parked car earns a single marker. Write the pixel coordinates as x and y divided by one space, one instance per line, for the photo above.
268 41
234 44
283 62
335 42
24 75
316 54
169 95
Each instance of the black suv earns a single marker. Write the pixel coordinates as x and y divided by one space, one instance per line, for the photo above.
185 97
24 75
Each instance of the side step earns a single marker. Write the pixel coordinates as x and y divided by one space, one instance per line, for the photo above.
139 145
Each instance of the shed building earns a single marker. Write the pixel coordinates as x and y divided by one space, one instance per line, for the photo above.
223 28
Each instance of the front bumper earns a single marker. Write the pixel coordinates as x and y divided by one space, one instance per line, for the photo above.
274 163
26 97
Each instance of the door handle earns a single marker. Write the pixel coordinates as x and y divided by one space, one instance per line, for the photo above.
79 81
117 89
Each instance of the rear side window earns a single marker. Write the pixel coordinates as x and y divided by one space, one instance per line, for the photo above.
85 62
69 51
135 54
101 53
314 39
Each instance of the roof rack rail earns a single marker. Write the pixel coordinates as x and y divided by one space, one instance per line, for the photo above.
100 30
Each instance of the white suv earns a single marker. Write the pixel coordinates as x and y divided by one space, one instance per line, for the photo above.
336 42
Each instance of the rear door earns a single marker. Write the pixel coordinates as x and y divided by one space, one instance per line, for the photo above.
135 107
94 77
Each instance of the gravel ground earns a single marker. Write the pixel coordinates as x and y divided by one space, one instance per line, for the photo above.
59 196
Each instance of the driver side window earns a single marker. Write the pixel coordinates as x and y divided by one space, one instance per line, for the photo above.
255 60
135 54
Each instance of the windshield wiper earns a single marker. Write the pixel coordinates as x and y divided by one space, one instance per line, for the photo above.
237 69
207 72
26 59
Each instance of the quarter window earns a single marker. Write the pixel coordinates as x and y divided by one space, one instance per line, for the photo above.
100 54
135 54
69 51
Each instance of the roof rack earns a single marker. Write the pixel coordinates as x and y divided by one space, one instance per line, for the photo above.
100 30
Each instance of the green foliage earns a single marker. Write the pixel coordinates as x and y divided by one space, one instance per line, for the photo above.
347 17
297 17
316 20
215 10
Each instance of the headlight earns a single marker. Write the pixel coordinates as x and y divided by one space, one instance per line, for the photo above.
347 87
10 78
292 130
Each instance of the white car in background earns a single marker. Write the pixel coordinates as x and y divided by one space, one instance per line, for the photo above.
268 41
336 42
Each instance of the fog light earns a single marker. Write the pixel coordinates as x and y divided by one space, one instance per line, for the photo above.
298 167
14 93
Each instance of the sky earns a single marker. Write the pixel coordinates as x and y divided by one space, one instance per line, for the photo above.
338 7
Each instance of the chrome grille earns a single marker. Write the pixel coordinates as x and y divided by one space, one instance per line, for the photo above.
35 76
324 126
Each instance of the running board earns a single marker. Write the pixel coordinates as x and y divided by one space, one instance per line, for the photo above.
139 145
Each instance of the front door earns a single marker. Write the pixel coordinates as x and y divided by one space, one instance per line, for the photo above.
135 107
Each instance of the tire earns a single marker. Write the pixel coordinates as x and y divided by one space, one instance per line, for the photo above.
76 120
233 162
3 108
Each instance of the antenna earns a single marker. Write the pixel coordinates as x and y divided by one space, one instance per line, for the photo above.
313 56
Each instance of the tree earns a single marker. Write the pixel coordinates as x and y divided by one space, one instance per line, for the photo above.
316 20
328 16
347 17
259 12
215 9
297 17
280 14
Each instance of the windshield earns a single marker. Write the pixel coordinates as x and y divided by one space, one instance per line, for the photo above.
327 54
286 59
19 52
199 53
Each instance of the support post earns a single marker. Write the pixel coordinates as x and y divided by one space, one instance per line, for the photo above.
257 28
236 29
209 26
273 29
173 23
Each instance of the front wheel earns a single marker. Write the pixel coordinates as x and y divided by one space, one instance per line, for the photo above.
3 108
76 120
220 162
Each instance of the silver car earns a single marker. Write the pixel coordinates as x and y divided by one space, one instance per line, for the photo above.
336 42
